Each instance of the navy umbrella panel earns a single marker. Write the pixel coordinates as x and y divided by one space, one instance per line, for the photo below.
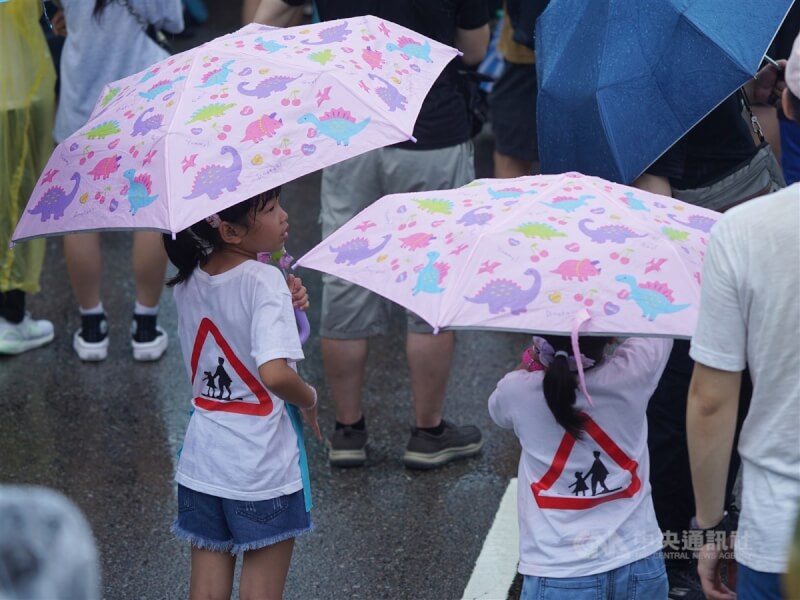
620 81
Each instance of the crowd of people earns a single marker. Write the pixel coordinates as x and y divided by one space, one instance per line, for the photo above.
686 417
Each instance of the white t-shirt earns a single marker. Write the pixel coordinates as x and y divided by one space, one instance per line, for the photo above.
585 508
240 443
750 314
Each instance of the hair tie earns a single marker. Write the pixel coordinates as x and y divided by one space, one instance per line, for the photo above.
547 354
213 220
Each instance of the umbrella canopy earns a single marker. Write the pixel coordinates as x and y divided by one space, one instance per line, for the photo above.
530 254
246 112
620 81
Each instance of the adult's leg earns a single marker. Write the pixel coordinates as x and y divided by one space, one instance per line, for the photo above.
264 571
149 267
429 356
350 314
512 105
82 255
508 167
345 362
429 359
12 306
212 575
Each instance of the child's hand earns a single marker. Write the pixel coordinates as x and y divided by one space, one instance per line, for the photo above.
299 292
310 416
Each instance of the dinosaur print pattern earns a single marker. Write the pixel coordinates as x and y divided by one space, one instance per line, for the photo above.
337 124
287 100
528 254
55 201
213 180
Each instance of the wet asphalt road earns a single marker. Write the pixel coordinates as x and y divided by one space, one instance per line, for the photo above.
107 436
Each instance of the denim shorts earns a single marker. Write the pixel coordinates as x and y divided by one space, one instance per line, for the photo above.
757 584
235 526
644 579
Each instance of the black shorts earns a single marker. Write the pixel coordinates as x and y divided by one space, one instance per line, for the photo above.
512 106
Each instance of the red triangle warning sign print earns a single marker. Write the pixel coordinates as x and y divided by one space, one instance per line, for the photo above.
264 405
577 502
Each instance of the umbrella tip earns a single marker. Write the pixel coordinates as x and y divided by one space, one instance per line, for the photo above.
173 236
10 245
412 138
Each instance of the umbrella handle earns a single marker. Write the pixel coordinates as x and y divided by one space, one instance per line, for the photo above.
303 326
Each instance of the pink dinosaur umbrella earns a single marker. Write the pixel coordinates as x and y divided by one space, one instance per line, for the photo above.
243 113
535 254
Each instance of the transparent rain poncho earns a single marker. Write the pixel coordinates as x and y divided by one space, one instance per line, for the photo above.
27 80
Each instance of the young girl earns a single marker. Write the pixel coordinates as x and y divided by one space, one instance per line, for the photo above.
239 478
606 539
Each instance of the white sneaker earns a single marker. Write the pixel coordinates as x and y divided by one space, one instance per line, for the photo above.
28 334
149 351
144 327
95 328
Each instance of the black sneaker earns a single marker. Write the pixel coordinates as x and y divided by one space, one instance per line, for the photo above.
347 447
427 451
684 583
148 340
90 342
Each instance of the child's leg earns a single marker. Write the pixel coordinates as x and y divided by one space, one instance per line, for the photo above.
264 571
212 575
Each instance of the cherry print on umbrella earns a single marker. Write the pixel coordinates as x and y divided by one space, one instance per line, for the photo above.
291 98
586 299
538 254
623 257
282 148
87 155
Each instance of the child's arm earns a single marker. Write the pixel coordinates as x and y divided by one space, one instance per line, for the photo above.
279 377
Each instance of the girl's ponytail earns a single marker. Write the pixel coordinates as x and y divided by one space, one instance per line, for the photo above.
561 382
559 387
185 252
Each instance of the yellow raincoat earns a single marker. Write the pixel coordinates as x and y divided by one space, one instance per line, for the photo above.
27 80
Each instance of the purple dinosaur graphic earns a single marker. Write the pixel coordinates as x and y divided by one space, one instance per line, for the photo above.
502 294
55 201
143 126
389 94
213 180
608 233
696 222
330 35
473 217
357 249
267 86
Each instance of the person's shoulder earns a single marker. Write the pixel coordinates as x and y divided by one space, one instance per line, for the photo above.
783 201
265 275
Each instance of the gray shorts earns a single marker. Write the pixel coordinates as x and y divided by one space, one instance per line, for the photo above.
348 310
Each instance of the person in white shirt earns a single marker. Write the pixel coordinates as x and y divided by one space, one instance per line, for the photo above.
586 516
240 479
750 316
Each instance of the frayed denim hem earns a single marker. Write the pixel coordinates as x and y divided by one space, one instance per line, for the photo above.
258 544
200 542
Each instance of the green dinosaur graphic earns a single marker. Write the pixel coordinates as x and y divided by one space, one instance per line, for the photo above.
676 235
209 111
436 207
539 230
110 95
103 130
322 57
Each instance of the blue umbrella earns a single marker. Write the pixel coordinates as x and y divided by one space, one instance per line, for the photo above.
620 81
